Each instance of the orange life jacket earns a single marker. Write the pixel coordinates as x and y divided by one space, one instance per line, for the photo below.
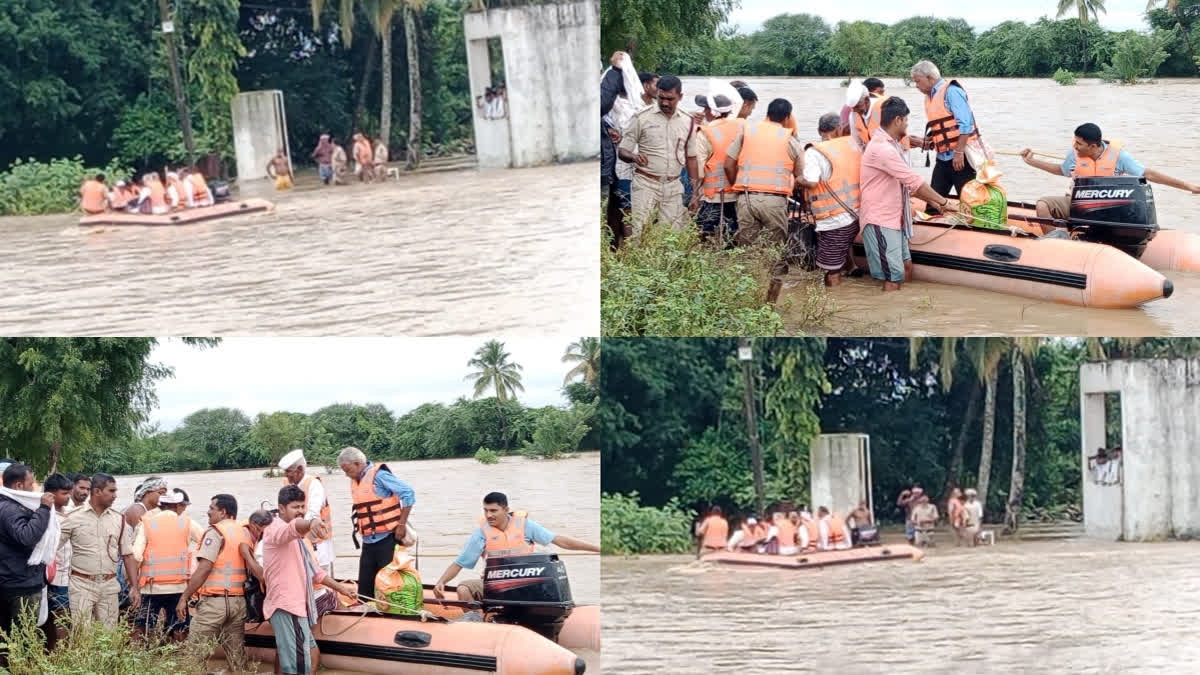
229 569
92 196
180 194
875 120
837 529
846 159
719 134
942 126
326 514
371 513
199 186
787 532
716 532
167 558
764 164
814 532
158 194
1105 166
860 131
362 152
509 541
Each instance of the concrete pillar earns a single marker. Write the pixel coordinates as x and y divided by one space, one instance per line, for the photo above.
259 130
839 466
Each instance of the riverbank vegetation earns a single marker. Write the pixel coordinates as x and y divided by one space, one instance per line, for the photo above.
672 426
662 40
83 404
626 527
95 82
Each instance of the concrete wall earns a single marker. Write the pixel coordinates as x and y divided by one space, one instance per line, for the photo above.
259 129
550 52
839 471
1160 493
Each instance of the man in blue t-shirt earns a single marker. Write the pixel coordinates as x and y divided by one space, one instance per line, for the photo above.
1089 145
493 542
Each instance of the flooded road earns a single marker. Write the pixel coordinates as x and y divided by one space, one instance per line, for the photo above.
563 495
461 252
1068 606
1013 114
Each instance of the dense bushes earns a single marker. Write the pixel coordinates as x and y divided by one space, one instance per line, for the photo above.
91 647
485 456
627 528
31 188
670 284
1136 56
1064 77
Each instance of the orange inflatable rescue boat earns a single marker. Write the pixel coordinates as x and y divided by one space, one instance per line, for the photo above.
184 217
819 558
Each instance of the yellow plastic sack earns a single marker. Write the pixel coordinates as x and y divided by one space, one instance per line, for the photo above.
986 198
398 586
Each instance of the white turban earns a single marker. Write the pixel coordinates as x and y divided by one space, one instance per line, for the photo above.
855 93
722 97
291 459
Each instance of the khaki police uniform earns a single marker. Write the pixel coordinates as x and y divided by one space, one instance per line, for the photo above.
656 187
99 544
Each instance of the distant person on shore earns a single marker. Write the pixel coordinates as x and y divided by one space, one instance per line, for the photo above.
279 169
906 501
713 531
380 159
340 162
955 513
363 160
323 154
93 195
924 516
972 517
100 543
501 533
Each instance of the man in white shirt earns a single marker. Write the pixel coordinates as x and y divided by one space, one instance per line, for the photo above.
837 226
316 504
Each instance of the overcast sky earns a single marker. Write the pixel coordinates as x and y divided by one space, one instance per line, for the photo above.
1121 15
304 374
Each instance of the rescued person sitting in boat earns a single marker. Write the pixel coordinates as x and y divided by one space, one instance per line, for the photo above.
924 518
784 531
1090 155
831 529
809 533
748 537
713 531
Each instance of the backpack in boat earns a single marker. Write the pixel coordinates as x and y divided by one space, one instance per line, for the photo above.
255 596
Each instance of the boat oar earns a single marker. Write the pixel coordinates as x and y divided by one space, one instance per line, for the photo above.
1016 153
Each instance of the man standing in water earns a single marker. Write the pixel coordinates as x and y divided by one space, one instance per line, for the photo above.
324 156
339 162
381 504
906 501
501 533
316 504
762 164
280 169
656 143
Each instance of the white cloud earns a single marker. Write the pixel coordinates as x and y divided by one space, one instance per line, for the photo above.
304 374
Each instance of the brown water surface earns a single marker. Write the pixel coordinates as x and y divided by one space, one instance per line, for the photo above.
1013 114
460 252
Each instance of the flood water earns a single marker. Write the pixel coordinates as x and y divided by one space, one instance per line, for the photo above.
1067 606
1013 114
461 252
563 495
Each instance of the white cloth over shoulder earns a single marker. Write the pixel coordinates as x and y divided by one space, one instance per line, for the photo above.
47 546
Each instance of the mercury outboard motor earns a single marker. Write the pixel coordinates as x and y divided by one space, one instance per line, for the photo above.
529 590
1114 210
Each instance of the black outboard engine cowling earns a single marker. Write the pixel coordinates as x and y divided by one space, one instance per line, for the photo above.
529 590
1114 210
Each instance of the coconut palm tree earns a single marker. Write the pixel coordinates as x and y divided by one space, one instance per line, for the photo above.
415 106
495 371
1016 488
1085 8
585 354
1172 6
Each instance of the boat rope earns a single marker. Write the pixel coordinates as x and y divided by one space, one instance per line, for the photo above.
960 219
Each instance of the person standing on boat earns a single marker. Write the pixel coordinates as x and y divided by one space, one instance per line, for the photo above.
1090 155
381 503
886 182
316 503
221 570
501 533
714 531
950 124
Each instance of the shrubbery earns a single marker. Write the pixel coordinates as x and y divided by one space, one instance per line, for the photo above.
1064 77
485 456
559 431
31 188
1136 56
667 283
627 528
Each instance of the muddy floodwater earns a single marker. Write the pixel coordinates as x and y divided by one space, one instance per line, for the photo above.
1013 114
460 252
1065 606
563 495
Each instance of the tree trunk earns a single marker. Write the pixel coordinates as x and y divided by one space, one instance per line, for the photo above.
55 451
361 106
413 154
1187 39
964 432
752 429
385 62
1016 492
989 429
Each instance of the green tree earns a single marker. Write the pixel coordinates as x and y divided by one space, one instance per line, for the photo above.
585 354
791 44
860 47
281 432
1085 8
560 431
366 427
1181 14
217 438
60 395
652 29
495 371
1136 56
210 27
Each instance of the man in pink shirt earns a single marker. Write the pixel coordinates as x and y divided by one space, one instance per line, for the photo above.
290 574
885 183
